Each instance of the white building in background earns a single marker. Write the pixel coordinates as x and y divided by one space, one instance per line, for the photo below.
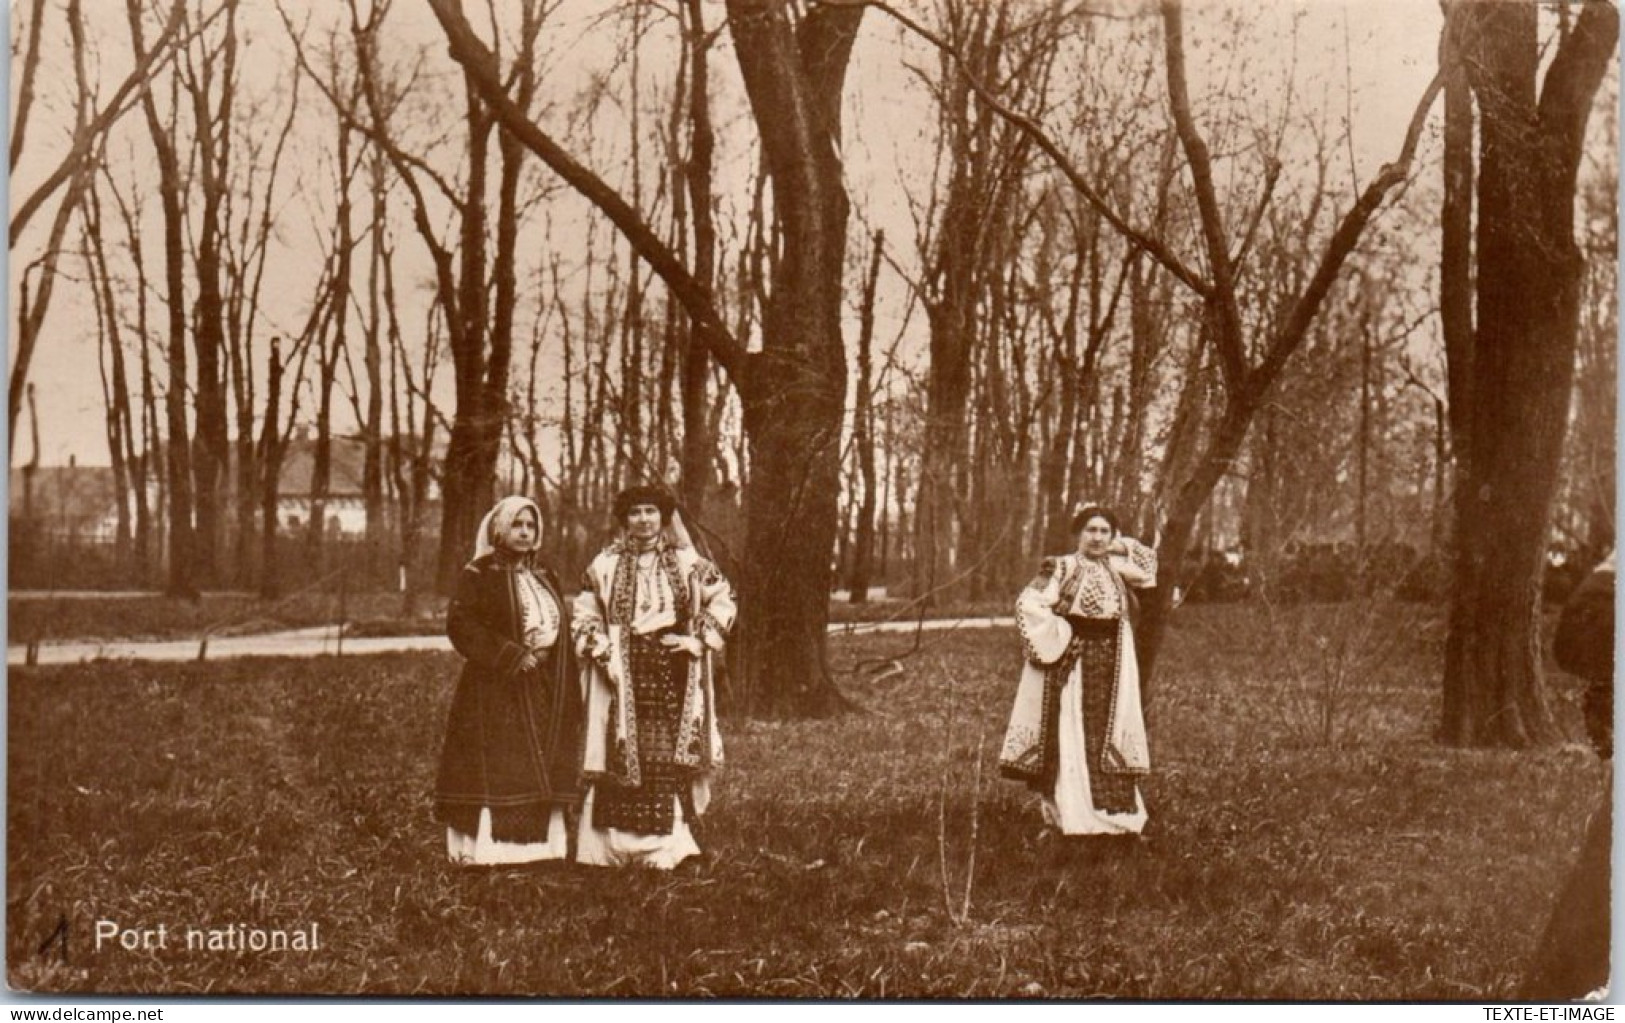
343 508
78 503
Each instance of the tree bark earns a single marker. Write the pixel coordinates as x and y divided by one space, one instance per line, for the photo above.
1527 296
212 117
699 440
863 434
271 447
372 424
794 394
793 390
182 577
115 383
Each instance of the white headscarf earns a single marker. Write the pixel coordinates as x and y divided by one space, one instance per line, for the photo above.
499 518
677 532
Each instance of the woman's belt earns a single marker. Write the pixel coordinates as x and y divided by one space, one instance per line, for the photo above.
1092 628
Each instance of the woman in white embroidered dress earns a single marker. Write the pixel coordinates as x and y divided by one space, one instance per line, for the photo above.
651 617
1077 732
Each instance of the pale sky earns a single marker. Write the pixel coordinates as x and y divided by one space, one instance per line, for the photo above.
1390 46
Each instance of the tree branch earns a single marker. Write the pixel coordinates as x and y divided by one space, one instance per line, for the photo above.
376 132
1232 357
1151 246
1341 245
1572 81
124 97
25 91
477 62
1272 175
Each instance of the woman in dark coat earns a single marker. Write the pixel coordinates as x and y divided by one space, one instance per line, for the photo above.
511 762
1572 960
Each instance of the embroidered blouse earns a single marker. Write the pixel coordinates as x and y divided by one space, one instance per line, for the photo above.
683 590
538 612
654 606
1078 585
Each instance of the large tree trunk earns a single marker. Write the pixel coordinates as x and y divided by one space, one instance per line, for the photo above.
469 470
212 454
794 391
1522 360
790 519
1179 532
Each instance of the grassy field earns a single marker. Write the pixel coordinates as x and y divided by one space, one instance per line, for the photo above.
873 855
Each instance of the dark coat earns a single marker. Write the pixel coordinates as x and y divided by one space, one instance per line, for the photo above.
513 741
1584 646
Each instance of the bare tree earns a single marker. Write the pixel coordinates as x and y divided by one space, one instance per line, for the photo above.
182 578
1589 472
255 203
412 435
208 73
793 390
74 169
476 292
35 301
90 127
970 244
863 433
149 538
1245 378
1513 369
118 422
699 436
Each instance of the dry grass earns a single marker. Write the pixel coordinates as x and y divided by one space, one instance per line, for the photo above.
277 793
153 616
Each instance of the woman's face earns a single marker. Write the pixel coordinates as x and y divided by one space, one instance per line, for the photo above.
522 532
643 521
1096 538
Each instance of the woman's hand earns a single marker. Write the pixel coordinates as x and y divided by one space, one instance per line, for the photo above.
530 660
598 650
687 644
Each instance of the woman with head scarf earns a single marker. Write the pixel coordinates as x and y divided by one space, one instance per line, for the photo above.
1077 733
511 761
650 621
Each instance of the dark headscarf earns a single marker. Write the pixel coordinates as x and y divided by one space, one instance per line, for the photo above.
631 497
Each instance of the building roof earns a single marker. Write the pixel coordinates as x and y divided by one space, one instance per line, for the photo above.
65 491
86 491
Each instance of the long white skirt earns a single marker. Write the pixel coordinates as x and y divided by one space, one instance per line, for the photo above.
483 850
1071 808
612 847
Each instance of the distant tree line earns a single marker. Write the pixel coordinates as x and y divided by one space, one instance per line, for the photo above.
1094 281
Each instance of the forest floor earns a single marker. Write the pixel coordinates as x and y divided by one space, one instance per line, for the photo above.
1308 839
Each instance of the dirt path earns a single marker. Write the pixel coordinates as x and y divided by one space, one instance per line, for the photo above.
328 640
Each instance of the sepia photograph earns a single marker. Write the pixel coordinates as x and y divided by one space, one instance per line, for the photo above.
1021 500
